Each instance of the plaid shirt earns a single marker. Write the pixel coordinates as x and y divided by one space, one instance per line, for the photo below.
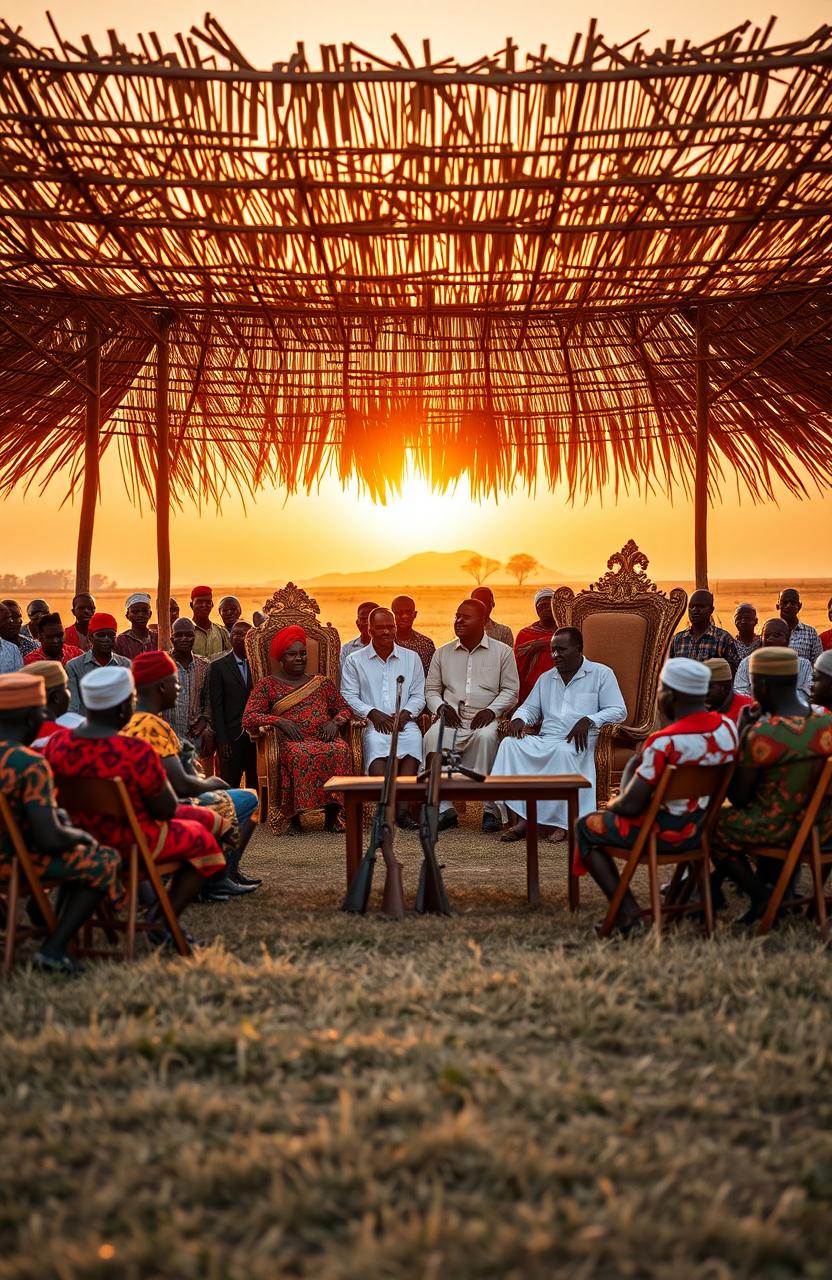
806 642
714 643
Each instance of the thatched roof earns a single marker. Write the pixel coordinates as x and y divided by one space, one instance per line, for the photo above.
494 269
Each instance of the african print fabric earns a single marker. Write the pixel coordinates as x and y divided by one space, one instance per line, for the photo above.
26 782
303 766
417 643
704 738
73 756
745 650
787 753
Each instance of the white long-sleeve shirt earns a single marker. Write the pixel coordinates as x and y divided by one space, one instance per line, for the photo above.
592 692
368 682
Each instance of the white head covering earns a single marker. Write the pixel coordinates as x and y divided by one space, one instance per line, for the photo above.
138 597
545 593
686 676
823 663
106 687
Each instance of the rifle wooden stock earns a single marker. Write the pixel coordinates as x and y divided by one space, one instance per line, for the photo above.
431 897
381 837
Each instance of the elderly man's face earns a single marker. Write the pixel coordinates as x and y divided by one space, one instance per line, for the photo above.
182 637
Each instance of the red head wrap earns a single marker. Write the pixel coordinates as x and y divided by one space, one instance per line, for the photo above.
102 622
152 666
285 639
201 591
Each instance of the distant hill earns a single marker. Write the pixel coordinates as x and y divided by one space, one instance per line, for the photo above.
427 569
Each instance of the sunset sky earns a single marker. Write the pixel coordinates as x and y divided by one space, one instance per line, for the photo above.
337 530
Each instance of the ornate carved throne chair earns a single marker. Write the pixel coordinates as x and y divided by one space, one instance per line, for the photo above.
627 623
290 607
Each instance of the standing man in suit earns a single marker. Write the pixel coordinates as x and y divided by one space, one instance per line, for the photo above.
229 686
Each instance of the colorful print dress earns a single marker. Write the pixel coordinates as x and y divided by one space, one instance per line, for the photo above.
140 769
306 765
788 752
26 783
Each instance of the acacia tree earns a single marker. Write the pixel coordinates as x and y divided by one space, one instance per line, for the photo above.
480 568
520 566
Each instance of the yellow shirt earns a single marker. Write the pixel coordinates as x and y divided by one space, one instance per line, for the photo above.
155 731
212 643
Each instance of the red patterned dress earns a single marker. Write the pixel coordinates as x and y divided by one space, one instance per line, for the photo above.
304 766
141 771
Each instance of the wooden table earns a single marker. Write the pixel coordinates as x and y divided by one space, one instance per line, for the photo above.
365 790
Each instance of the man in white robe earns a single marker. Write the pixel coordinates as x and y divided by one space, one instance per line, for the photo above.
368 684
570 703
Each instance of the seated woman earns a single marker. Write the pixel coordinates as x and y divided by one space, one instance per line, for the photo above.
532 648
307 713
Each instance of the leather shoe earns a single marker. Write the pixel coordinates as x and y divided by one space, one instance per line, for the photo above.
210 894
491 823
239 878
407 823
231 889
447 820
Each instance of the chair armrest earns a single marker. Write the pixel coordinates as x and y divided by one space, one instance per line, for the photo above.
502 728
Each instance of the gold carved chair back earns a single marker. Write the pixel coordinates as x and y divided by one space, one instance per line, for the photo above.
627 623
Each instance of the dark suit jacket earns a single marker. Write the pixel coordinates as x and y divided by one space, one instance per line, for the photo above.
228 697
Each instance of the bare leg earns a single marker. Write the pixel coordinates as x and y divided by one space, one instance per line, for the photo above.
605 874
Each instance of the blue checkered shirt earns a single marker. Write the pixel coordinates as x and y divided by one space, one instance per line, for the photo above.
713 643
806 641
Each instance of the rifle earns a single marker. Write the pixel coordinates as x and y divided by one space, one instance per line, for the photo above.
381 837
431 896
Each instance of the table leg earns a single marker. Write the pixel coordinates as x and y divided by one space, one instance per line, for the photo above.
354 823
532 865
573 882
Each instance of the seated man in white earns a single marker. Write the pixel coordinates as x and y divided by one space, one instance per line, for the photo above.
368 683
570 703
475 678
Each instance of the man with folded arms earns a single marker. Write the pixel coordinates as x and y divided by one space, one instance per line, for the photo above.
692 735
475 679
58 851
138 637
102 633
368 686
570 703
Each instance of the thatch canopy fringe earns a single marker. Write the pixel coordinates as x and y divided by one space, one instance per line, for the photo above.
487 271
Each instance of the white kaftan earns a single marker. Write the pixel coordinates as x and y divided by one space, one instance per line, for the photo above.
592 692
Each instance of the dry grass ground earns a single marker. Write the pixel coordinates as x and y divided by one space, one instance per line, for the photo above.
492 1095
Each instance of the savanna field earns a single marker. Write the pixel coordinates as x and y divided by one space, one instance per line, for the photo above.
494 1095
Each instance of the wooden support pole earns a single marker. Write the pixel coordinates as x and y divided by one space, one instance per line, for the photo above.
163 482
92 425
700 495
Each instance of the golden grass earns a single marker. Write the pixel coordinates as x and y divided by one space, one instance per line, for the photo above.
492 1095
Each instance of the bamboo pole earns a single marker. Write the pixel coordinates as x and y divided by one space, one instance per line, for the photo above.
92 423
700 493
163 481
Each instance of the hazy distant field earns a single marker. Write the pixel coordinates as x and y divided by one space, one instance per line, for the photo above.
514 604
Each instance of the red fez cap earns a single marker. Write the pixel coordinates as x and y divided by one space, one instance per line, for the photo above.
285 639
102 622
151 666
201 591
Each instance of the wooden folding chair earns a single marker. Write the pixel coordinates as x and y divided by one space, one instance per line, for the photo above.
805 849
20 880
684 782
110 798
